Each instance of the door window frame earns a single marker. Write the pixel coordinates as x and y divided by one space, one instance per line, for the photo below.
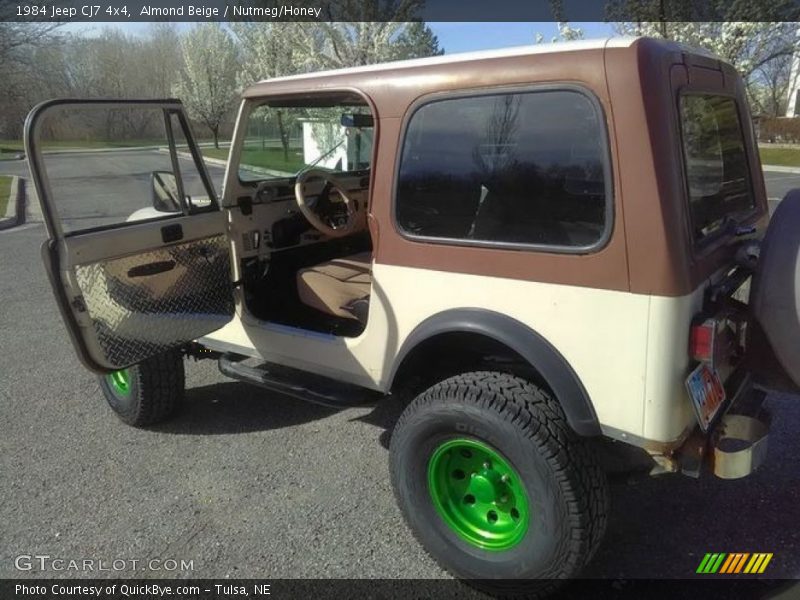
169 107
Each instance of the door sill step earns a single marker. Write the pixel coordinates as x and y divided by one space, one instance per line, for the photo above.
302 385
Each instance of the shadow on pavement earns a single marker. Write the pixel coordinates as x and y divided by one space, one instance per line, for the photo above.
234 407
385 415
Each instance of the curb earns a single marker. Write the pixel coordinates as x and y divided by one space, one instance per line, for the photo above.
188 156
15 212
780 169
100 150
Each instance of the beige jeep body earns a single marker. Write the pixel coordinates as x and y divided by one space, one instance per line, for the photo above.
617 315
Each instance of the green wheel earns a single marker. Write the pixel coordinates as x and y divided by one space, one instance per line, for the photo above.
478 494
120 381
495 485
147 393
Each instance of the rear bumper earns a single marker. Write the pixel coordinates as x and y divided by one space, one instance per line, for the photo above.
736 445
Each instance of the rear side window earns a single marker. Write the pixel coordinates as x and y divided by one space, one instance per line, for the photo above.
717 173
513 168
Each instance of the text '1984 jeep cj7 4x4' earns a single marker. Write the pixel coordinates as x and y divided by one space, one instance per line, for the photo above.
550 249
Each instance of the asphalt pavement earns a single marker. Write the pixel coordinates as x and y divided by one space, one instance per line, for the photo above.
246 483
92 189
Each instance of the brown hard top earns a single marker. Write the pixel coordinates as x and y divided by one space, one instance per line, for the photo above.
636 81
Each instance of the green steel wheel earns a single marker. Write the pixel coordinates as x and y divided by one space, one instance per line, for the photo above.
147 393
120 381
478 494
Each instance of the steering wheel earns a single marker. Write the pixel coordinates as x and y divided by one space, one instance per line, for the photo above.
321 222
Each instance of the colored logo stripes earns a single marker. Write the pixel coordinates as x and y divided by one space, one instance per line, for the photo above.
735 562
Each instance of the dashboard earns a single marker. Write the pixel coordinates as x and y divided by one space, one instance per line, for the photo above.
272 207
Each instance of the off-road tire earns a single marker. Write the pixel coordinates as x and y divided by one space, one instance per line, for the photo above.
566 488
156 390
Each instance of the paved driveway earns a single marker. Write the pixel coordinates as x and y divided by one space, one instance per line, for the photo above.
778 183
92 189
250 484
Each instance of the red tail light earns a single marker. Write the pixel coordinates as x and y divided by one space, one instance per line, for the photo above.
701 341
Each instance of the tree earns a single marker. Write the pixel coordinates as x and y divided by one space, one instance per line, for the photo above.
768 86
760 51
269 50
208 83
276 49
417 40
161 52
22 46
746 45
566 33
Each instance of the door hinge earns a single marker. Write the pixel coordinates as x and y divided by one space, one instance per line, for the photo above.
78 304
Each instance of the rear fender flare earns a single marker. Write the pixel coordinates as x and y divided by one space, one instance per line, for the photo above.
530 345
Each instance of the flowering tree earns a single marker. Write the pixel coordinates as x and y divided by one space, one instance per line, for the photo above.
565 33
745 45
275 49
760 51
208 83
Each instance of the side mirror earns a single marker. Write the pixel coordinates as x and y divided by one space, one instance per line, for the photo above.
165 191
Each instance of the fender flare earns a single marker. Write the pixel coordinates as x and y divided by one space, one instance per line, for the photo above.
523 340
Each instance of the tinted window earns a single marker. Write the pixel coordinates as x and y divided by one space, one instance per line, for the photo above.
716 163
512 168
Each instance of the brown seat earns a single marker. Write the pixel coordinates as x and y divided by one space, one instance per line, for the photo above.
336 286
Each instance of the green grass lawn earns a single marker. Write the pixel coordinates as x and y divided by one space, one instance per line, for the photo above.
268 158
5 190
787 157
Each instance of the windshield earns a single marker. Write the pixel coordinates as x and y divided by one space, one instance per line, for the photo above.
281 141
717 170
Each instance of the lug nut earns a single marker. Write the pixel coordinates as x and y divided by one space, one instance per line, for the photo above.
504 478
486 465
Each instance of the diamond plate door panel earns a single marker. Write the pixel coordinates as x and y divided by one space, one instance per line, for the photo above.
147 303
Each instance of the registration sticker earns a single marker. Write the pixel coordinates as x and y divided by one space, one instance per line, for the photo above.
706 392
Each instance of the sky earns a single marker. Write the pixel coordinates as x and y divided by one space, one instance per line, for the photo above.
453 37
463 37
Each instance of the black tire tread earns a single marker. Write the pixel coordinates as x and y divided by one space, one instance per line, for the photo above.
162 385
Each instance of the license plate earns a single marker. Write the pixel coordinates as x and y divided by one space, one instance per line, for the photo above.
706 392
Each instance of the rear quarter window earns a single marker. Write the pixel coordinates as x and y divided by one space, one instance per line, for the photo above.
715 162
523 168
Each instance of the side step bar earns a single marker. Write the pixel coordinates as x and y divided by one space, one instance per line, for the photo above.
296 383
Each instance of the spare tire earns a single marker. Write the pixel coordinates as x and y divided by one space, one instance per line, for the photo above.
775 292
